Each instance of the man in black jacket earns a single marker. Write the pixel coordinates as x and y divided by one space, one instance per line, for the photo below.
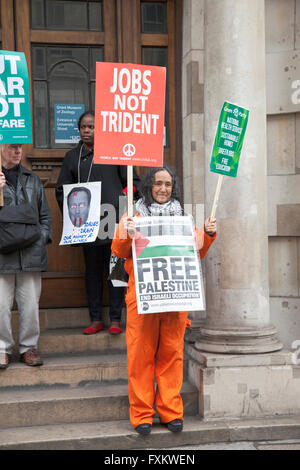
20 271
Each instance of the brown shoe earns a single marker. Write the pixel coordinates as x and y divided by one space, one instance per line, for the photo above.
31 358
4 360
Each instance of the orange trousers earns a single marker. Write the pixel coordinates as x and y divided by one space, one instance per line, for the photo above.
155 353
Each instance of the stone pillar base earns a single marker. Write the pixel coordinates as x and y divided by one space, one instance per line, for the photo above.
238 340
192 333
253 386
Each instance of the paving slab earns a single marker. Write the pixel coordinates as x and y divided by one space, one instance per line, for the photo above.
278 445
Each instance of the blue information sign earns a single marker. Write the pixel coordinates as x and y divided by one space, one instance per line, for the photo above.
65 123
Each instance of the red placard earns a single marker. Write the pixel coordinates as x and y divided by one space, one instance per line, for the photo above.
129 114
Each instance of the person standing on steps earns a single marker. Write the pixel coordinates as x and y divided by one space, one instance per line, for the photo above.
78 167
155 341
20 271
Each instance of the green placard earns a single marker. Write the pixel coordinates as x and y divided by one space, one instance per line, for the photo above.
229 139
15 114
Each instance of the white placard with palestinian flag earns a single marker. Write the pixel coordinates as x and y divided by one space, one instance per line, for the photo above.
167 267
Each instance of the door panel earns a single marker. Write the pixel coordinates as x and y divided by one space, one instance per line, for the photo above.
56 53
57 46
7 25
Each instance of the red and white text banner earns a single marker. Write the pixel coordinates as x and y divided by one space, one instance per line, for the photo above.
129 114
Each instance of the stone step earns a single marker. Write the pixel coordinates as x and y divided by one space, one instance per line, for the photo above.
56 405
119 435
52 318
71 370
72 340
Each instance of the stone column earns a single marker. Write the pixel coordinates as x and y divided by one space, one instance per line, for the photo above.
193 122
237 286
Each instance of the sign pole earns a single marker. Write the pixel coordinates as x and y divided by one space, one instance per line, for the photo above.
216 198
1 190
130 190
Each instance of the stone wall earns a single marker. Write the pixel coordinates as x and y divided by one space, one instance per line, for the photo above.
283 151
224 55
193 112
282 22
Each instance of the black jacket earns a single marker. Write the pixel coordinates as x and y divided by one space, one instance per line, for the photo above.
112 177
33 258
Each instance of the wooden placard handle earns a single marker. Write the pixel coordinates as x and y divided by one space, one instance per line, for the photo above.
216 198
130 191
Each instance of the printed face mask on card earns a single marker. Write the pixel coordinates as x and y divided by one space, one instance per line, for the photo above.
79 207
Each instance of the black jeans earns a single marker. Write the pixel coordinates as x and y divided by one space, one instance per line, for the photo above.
97 263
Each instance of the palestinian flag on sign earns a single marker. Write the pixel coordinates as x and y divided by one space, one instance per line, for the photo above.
144 249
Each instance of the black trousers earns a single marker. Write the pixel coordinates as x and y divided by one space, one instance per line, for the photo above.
97 264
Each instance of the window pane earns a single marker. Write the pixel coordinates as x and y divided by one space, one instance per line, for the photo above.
154 17
37 14
93 88
40 115
66 15
158 56
61 75
68 85
73 15
155 56
97 55
95 16
39 62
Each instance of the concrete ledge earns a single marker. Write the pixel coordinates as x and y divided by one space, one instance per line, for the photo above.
206 359
71 370
74 341
38 406
78 317
240 386
120 435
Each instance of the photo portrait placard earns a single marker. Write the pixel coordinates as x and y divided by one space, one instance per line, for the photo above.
81 213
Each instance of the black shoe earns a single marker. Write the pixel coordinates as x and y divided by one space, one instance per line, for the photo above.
144 428
176 425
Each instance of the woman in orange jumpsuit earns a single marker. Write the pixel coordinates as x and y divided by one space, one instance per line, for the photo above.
155 341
